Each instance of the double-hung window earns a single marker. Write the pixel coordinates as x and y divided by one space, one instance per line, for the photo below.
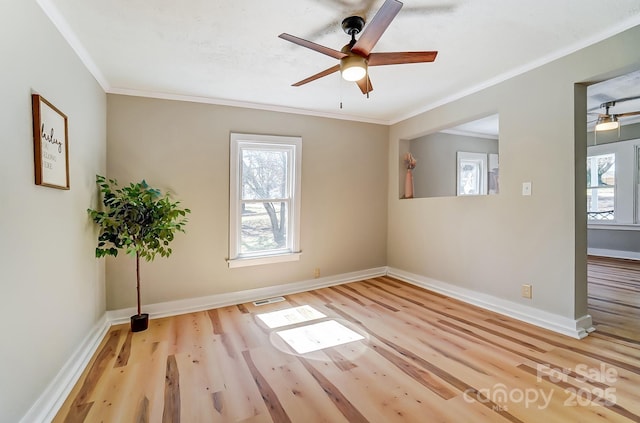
601 187
264 215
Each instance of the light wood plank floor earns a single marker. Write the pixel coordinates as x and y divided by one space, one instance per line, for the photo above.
425 358
614 297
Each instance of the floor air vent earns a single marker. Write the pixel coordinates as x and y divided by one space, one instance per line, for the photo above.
268 301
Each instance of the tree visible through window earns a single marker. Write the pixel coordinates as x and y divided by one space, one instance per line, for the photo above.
601 181
472 173
265 199
264 196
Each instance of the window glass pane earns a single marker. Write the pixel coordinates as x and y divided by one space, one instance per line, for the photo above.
264 174
264 227
470 177
601 170
600 203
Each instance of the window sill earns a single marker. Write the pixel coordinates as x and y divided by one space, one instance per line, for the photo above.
614 226
257 261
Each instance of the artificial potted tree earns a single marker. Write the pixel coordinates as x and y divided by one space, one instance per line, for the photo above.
142 221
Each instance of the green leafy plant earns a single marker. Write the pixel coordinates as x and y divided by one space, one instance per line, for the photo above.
137 218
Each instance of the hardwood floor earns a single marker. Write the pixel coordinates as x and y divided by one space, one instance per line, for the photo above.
424 358
614 297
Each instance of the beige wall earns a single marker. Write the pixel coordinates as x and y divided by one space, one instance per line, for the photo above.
184 147
494 244
52 285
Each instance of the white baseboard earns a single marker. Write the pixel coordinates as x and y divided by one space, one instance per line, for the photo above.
603 252
578 328
190 305
54 395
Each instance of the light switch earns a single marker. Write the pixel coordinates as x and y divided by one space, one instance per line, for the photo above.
526 188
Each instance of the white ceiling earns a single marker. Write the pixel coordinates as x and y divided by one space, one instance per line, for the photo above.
487 127
228 52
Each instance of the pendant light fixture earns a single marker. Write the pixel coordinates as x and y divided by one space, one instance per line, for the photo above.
607 123
353 68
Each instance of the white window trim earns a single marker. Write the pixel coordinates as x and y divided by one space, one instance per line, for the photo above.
615 226
236 141
627 215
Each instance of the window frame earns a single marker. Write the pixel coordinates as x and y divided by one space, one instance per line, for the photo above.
595 189
293 144
481 174
627 184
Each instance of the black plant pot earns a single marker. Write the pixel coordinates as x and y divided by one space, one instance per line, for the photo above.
139 322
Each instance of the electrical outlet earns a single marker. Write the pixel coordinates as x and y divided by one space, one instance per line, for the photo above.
316 272
526 291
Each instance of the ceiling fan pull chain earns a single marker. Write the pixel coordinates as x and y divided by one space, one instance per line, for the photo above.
340 91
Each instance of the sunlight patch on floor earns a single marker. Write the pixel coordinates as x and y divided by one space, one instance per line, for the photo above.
318 336
290 316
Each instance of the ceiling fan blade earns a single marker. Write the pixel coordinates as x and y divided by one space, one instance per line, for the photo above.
317 76
628 114
313 46
400 57
429 10
365 85
374 30
621 100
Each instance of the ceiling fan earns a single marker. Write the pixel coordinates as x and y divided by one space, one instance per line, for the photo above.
356 57
607 121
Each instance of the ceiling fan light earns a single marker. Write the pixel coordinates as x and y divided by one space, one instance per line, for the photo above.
607 123
353 68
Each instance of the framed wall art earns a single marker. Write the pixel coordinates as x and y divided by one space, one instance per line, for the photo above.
51 144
